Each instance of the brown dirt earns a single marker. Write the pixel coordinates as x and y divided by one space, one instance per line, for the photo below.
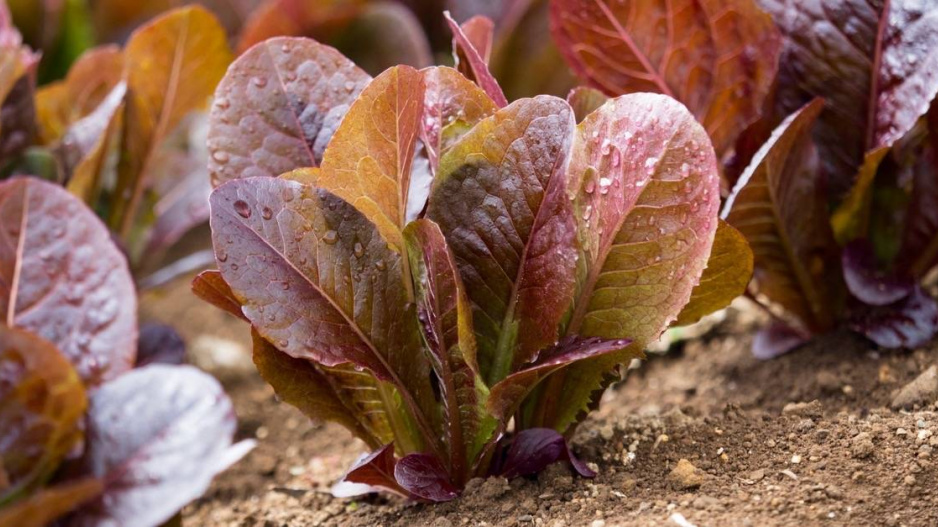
845 460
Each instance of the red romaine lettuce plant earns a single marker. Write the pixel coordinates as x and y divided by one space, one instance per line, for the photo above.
423 262
842 127
83 436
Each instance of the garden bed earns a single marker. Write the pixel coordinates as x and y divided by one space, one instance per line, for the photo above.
846 460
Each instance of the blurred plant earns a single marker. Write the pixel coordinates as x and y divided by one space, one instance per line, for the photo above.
415 255
843 128
82 435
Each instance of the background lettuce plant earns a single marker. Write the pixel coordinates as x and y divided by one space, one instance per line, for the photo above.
84 436
416 256
831 182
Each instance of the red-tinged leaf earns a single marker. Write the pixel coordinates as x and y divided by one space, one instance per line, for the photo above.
277 108
728 272
425 478
478 31
867 281
296 18
156 438
778 206
851 219
383 35
211 287
909 323
51 503
584 101
350 398
318 281
62 277
718 57
368 161
445 315
919 252
480 70
506 396
532 450
777 339
451 107
159 344
875 64
370 473
42 401
500 199
646 187
172 65
84 145
18 117
89 81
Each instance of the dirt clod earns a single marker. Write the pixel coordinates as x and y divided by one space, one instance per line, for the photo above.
684 476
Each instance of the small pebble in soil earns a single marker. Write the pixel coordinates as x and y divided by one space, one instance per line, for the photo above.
862 445
684 476
923 390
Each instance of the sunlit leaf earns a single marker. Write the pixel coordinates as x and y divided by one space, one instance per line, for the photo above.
63 278
500 200
156 437
718 57
728 272
42 401
778 206
84 145
211 287
480 70
277 108
479 31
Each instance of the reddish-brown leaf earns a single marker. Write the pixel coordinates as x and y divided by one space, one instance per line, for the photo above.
480 69
211 287
49 504
62 277
718 57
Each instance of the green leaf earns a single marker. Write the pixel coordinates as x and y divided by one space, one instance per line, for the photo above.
728 272
500 199
778 206
645 182
42 402
851 219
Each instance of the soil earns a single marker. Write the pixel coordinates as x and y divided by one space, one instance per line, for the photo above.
703 435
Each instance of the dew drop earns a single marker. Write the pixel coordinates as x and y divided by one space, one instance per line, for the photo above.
283 343
616 157
242 208
222 103
588 212
286 48
590 186
220 157
266 213
260 82
330 237
650 165
380 265
358 250
349 86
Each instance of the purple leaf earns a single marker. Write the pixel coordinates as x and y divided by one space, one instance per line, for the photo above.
866 281
908 323
535 448
370 473
159 344
776 339
156 437
425 478
480 69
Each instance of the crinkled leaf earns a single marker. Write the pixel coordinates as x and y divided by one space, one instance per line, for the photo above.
211 287
851 219
718 57
62 277
89 81
349 398
159 344
451 107
908 323
368 161
506 396
585 100
84 145
778 206
867 281
479 31
728 272
156 438
318 281
42 401
533 449
445 316
173 64
500 200
370 473
480 70
277 108
877 71
425 478
51 503
775 340
646 185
